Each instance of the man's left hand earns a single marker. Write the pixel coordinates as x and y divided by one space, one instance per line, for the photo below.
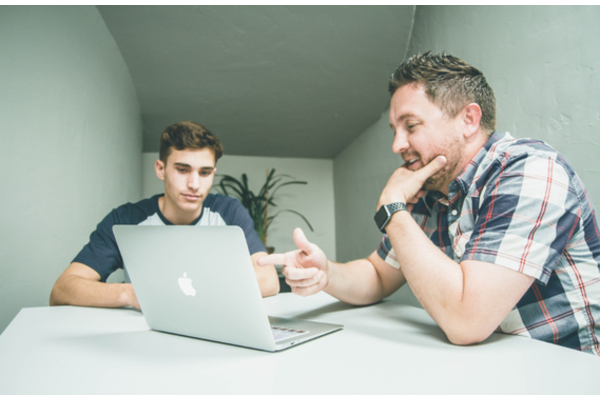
406 186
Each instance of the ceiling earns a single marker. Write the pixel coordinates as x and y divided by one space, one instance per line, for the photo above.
279 81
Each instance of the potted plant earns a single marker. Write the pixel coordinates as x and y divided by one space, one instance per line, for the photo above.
258 204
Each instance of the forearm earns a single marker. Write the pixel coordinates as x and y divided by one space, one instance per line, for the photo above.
437 281
467 300
356 282
79 291
268 280
308 271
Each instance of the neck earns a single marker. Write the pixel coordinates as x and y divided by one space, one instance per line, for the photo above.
473 145
175 216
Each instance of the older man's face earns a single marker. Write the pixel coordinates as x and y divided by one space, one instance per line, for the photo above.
423 132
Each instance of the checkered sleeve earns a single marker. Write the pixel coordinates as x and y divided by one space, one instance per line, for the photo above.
386 252
527 212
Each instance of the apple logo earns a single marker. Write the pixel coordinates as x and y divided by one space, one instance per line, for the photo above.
185 284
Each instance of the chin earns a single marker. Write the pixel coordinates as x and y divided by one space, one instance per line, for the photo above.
190 207
434 184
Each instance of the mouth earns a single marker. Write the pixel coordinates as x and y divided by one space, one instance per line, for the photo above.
411 163
191 197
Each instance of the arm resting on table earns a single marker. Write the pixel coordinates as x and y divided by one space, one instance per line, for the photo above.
80 285
468 300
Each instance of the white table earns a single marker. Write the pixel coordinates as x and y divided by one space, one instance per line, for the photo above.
387 348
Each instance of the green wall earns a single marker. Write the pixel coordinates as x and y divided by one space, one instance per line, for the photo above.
71 143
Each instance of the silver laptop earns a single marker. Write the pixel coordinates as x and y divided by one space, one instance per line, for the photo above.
200 282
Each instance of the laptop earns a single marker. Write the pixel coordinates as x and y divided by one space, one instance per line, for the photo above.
200 282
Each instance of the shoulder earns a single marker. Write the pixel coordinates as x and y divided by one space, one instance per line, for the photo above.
228 208
528 171
218 202
510 150
135 213
510 157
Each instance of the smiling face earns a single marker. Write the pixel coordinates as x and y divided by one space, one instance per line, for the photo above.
188 176
422 132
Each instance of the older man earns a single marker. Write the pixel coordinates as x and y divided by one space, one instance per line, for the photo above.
490 232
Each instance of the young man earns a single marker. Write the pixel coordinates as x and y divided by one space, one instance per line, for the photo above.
187 165
490 232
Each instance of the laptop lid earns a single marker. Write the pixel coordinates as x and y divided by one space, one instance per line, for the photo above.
200 282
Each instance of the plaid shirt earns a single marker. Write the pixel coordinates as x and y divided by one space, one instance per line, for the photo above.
519 204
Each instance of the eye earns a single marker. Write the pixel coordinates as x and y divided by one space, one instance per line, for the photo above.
411 126
205 172
181 170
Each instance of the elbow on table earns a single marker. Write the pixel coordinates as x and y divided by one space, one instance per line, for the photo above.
465 337
55 297
51 301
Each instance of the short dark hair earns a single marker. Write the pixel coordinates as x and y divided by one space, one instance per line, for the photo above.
188 135
449 83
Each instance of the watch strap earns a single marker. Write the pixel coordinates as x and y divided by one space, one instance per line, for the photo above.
394 207
383 216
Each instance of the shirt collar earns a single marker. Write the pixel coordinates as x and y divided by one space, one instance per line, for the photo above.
465 179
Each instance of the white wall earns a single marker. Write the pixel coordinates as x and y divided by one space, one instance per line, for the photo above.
71 143
361 172
544 67
315 200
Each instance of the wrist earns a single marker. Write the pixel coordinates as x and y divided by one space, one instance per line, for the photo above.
330 273
385 213
396 219
127 297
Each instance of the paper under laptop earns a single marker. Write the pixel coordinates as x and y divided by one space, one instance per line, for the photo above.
200 282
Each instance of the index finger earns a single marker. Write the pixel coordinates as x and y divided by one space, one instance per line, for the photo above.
272 259
430 169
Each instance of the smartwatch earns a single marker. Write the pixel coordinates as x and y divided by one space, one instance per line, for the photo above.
382 217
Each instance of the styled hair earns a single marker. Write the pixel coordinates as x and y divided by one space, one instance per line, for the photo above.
449 83
188 135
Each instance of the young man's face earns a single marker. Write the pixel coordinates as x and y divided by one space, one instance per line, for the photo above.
422 132
188 176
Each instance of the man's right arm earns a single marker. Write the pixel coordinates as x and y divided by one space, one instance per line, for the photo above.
80 285
364 281
358 282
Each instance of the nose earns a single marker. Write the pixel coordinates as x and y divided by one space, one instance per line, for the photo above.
400 144
193 182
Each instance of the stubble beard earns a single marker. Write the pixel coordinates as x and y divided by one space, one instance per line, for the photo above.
441 179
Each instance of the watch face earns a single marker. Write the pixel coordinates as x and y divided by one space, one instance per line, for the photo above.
381 218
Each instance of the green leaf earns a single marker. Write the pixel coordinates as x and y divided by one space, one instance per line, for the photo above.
257 204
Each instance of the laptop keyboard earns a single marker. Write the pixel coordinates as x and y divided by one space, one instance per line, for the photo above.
280 333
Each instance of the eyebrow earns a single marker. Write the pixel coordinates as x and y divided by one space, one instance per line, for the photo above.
189 166
404 117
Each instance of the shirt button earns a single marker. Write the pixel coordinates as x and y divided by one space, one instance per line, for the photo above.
454 212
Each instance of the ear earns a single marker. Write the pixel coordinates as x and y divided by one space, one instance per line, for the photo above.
471 116
159 167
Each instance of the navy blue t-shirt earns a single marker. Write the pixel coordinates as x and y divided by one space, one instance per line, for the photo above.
103 255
